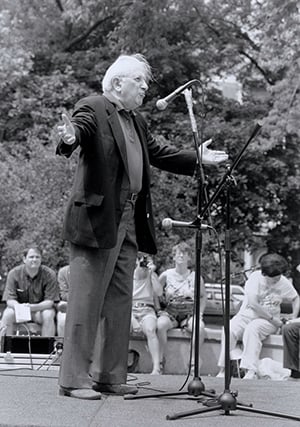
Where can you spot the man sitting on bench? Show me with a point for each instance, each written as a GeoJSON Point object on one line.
{"type": "Point", "coordinates": [30, 292]}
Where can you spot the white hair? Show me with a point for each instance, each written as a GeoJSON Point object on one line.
{"type": "Point", "coordinates": [125, 65]}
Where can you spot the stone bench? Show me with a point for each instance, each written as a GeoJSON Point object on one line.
{"type": "Point", "coordinates": [178, 351]}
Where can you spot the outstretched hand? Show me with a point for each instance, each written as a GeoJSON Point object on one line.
{"type": "Point", "coordinates": [66, 131]}
{"type": "Point", "coordinates": [212, 157]}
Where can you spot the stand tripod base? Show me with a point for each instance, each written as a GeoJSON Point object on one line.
{"type": "Point", "coordinates": [227, 402]}
{"type": "Point", "coordinates": [195, 388]}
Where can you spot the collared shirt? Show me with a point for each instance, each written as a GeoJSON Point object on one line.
{"type": "Point", "coordinates": [133, 145]}
{"type": "Point", "coordinates": [25, 289]}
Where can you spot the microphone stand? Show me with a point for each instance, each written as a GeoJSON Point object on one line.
{"type": "Point", "coordinates": [196, 386]}
{"type": "Point", "coordinates": [227, 401]}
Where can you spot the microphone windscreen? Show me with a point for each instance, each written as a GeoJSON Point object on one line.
{"type": "Point", "coordinates": [161, 104]}
{"type": "Point", "coordinates": [167, 223]}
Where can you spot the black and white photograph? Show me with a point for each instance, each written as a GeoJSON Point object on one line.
{"type": "Point", "coordinates": [149, 213]}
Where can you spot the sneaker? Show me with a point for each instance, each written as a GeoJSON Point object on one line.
{"type": "Point", "coordinates": [250, 375]}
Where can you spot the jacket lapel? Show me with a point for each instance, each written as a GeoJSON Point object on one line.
{"type": "Point", "coordinates": [117, 133]}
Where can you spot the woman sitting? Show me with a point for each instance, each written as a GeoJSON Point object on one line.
{"type": "Point", "coordinates": [178, 288]}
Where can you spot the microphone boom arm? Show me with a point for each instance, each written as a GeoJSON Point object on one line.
{"type": "Point", "coordinates": [162, 104]}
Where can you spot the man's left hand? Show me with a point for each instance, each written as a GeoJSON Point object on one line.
{"type": "Point", "coordinates": [212, 157]}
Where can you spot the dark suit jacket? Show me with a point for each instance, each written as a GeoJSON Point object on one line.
{"type": "Point", "coordinates": [99, 191]}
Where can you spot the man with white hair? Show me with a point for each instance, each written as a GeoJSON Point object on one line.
{"type": "Point", "coordinates": [108, 218]}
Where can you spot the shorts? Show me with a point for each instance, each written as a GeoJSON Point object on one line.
{"type": "Point", "coordinates": [140, 314]}
{"type": "Point", "coordinates": [178, 321]}
{"type": "Point", "coordinates": [173, 320]}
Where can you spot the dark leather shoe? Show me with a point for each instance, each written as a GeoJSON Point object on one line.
{"type": "Point", "coordinates": [116, 389]}
{"type": "Point", "coordinates": [295, 374]}
{"type": "Point", "coordinates": [80, 393]}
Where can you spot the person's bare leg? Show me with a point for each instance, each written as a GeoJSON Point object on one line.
{"type": "Point", "coordinates": [163, 325]}
{"type": "Point", "coordinates": [149, 326]}
{"type": "Point", "coordinates": [48, 324]}
{"type": "Point", "coordinates": [7, 321]}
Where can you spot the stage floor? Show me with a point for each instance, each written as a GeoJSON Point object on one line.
{"type": "Point", "coordinates": [30, 398]}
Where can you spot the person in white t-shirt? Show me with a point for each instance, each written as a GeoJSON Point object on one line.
{"type": "Point", "coordinates": [146, 290]}
{"type": "Point", "coordinates": [259, 315]}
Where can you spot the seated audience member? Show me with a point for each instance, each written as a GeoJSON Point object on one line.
{"type": "Point", "coordinates": [146, 288]}
{"type": "Point", "coordinates": [63, 279]}
{"type": "Point", "coordinates": [291, 346]}
{"type": "Point", "coordinates": [178, 290]}
{"type": "Point", "coordinates": [259, 315]}
{"type": "Point", "coordinates": [30, 287]}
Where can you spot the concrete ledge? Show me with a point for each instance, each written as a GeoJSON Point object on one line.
{"type": "Point", "coordinates": [177, 357]}
{"type": "Point", "coordinates": [178, 351]}
{"type": "Point", "coordinates": [24, 361]}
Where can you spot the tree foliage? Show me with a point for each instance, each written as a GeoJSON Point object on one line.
{"type": "Point", "coordinates": [53, 53]}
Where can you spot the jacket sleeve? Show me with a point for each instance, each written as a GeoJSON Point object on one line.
{"type": "Point", "coordinates": [168, 157]}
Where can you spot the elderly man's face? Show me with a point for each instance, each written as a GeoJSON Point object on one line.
{"type": "Point", "coordinates": [132, 89]}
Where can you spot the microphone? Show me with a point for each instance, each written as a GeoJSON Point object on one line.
{"type": "Point", "coordinates": [169, 223]}
{"type": "Point", "coordinates": [162, 104]}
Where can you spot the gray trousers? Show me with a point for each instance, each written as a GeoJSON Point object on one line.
{"type": "Point", "coordinates": [291, 345]}
{"type": "Point", "coordinates": [99, 310]}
